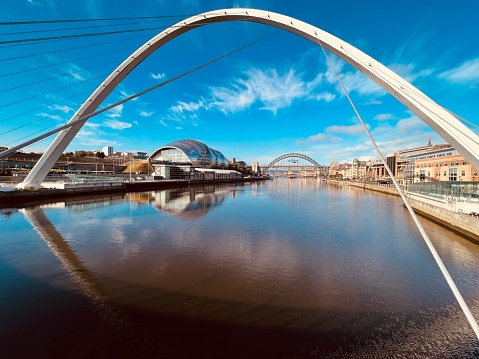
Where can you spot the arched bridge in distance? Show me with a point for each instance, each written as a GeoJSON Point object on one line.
{"type": "Point", "coordinates": [295, 163]}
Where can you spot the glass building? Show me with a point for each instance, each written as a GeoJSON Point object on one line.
{"type": "Point", "coordinates": [188, 153]}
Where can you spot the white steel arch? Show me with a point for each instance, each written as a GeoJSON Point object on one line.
{"type": "Point", "coordinates": [438, 118]}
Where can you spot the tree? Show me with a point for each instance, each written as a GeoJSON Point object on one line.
{"type": "Point", "coordinates": [100, 154]}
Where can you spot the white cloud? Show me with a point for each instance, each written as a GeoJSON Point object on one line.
{"type": "Point", "coordinates": [158, 76]}
{"type": "Point", "coordinates": [466, 73]}
{"type": "Point", "coordinates": [314, 138]}
{"type": "Point", "coordinates": [117, 125]}
{"type": "Point", "coordinates": [352, 80]}
{"type": "Point", "coordinates": [373, 102]}
{"type": "Point", "coordinates": [47, 115]}
{"type": "Point", "coordinates": [186, 107]}
{"type": "Point", "coordinates": [115, 111]}
{"type": "Point", "coordinates": [384, 117]}
{"type": "Point", "coordinates": [163, 123]}
{"type": "Point", "coordinates": [408, 125]}
{"type": "Point", "coordinates": [178, 128]}
{"type": "Point", "coordinates": [407, 71]}
{"type": "Point", "coordinates": [92, 125]}
{"type": "Point", "coordinates": [146, 114]}
{"type": "Point", "coordinates": [62, 108]}
{"type": "Point", "coordinates": [271, 89]}
{"type": "Point", "coordinates": [346, 130]}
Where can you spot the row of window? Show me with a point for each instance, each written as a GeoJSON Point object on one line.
{"type": "Point", "coordinates": [452, 174]}
{"type": "Point", "coordinates": [439, 164]}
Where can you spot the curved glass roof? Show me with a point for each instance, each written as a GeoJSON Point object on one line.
{"type": "Point", "coordinates": [189, 151]}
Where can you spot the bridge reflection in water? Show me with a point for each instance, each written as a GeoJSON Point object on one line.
{"type": "Point", "coordinates": [257, 271]}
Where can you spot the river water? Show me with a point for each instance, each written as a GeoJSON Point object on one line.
{"type": "Point", "coordinates": [290, 268]}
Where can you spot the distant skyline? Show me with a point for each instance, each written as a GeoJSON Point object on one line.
{"type": "Point", "coordinates": [275, 97]}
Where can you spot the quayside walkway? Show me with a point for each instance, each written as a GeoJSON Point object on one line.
{"type": "Point", "coordinates": [441, 207]}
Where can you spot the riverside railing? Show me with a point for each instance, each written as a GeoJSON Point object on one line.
{"type": "Point", "coordinates": [451, 190]}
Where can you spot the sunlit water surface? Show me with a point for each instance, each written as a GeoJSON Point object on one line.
{"type": "Point", "coordinates": [289, 268]}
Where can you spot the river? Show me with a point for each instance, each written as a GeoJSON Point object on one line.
{"type": "Point", "coordinates": [289, 268]}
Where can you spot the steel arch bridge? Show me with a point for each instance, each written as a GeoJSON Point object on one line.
{"type": "Point", "coordinates": [294, 161]}
{"type": "Point", "coordinates": [438, 118]}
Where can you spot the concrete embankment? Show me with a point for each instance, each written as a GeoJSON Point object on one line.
{"type": "Point", "coordinates": [20, 198]}
{"type": "Point", "coordinates": [443, 212]}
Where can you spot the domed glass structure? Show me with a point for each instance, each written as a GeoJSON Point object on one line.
{"type": "Point", "coordinates": [189, 152]}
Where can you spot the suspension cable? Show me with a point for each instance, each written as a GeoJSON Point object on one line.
{"type": "Point", "coordinates": [433, 251]}
{"type": "Point", "coordinates": [76, 28]}
{"type": "Point", "coordinates": [65, 62]}
{"type": "Point", "coordinates": [88, 20]}
{"type": "Point", "coordinates": [72, 48]}
{"type": "Point", "coordinates": [138, 94]}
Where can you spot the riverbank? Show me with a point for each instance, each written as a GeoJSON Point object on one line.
{"type": "Point", "coordinates": [446, 214]}
{"type": "Point", "coordinates": [26, 197]}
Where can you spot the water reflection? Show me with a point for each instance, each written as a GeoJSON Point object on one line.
{"type": "Point", "coordinates": [190, 203]}
{"type": "Point", "coordinates": [312, 270]}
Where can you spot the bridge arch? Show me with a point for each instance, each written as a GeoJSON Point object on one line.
{"type": "Point", "coordinates": [291, 156]}
{"type": "Point", "coordinates": [438, 118]}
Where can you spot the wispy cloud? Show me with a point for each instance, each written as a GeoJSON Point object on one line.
{"type": "Point", "coordinates": [347, 130]}
{"type": "Point", "coordinates": [269, 88]}
{"type": "Point", "coordinates": [146, 114]}
{"type": "Point", "coordinates": [116, 125]}
{"type": "Point", "coordinates": [158, 76]}
{"type": "Point", "coordinates": [353, 80]}
{"type": "Point", "coordinates": [466, 73]}
{"type": "Point", "coordinates": [314, 138]}
{"type": "Point", "coordinates": [47, 115]}
{"type": "Point", "coordinates": [68, 72]}
{"type": "Point", "coordinates": [408, 72]}
{"type": "Point", "coordinates": [408, 125]}
{"type": "Point", "coordinates": [183, 107]}
{"type": "Point", "coordinates": [384, 117]}
{"type": "Point", "coordinates": [62, 108]}
{"type": "Point", "coordinates": [42, 3]}
{"type": "Point", "coordinates": [115, 112]}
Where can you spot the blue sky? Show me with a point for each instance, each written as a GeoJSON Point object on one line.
{"type": "Point", "coordinates": [275, 97]}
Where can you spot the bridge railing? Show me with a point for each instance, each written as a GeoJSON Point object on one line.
{"type": "Point", "coordinates": [451, 190]}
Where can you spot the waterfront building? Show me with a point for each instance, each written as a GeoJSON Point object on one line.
{"type": "Point", "coordinates": [190, 159]}
{"type": "Point", "coordinates": [356, 170]}
{"type": "Point", "coordinates": [443, 164]}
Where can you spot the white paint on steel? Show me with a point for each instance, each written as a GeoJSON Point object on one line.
{"type": "Point", "coordinates": [438, 118]}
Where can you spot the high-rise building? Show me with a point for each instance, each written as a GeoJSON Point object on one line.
{"type": "Point", "coordinates": [107, 150]}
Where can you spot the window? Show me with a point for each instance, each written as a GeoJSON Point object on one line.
{"type": "Point", "coordinates": [422, 176]}
{"type": "Point", "coordinates": [452, 174]}
{"type": "Point", "coordinates": [474, 173]}
{"type": "Point", "coordinates": [445, 173]}
{"type": "Point", "coordinates": [437, 164]}
{"type": "Point", "coordinates": [464, 162]}
{"type": "Point", "coordinates": [463, 173]}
